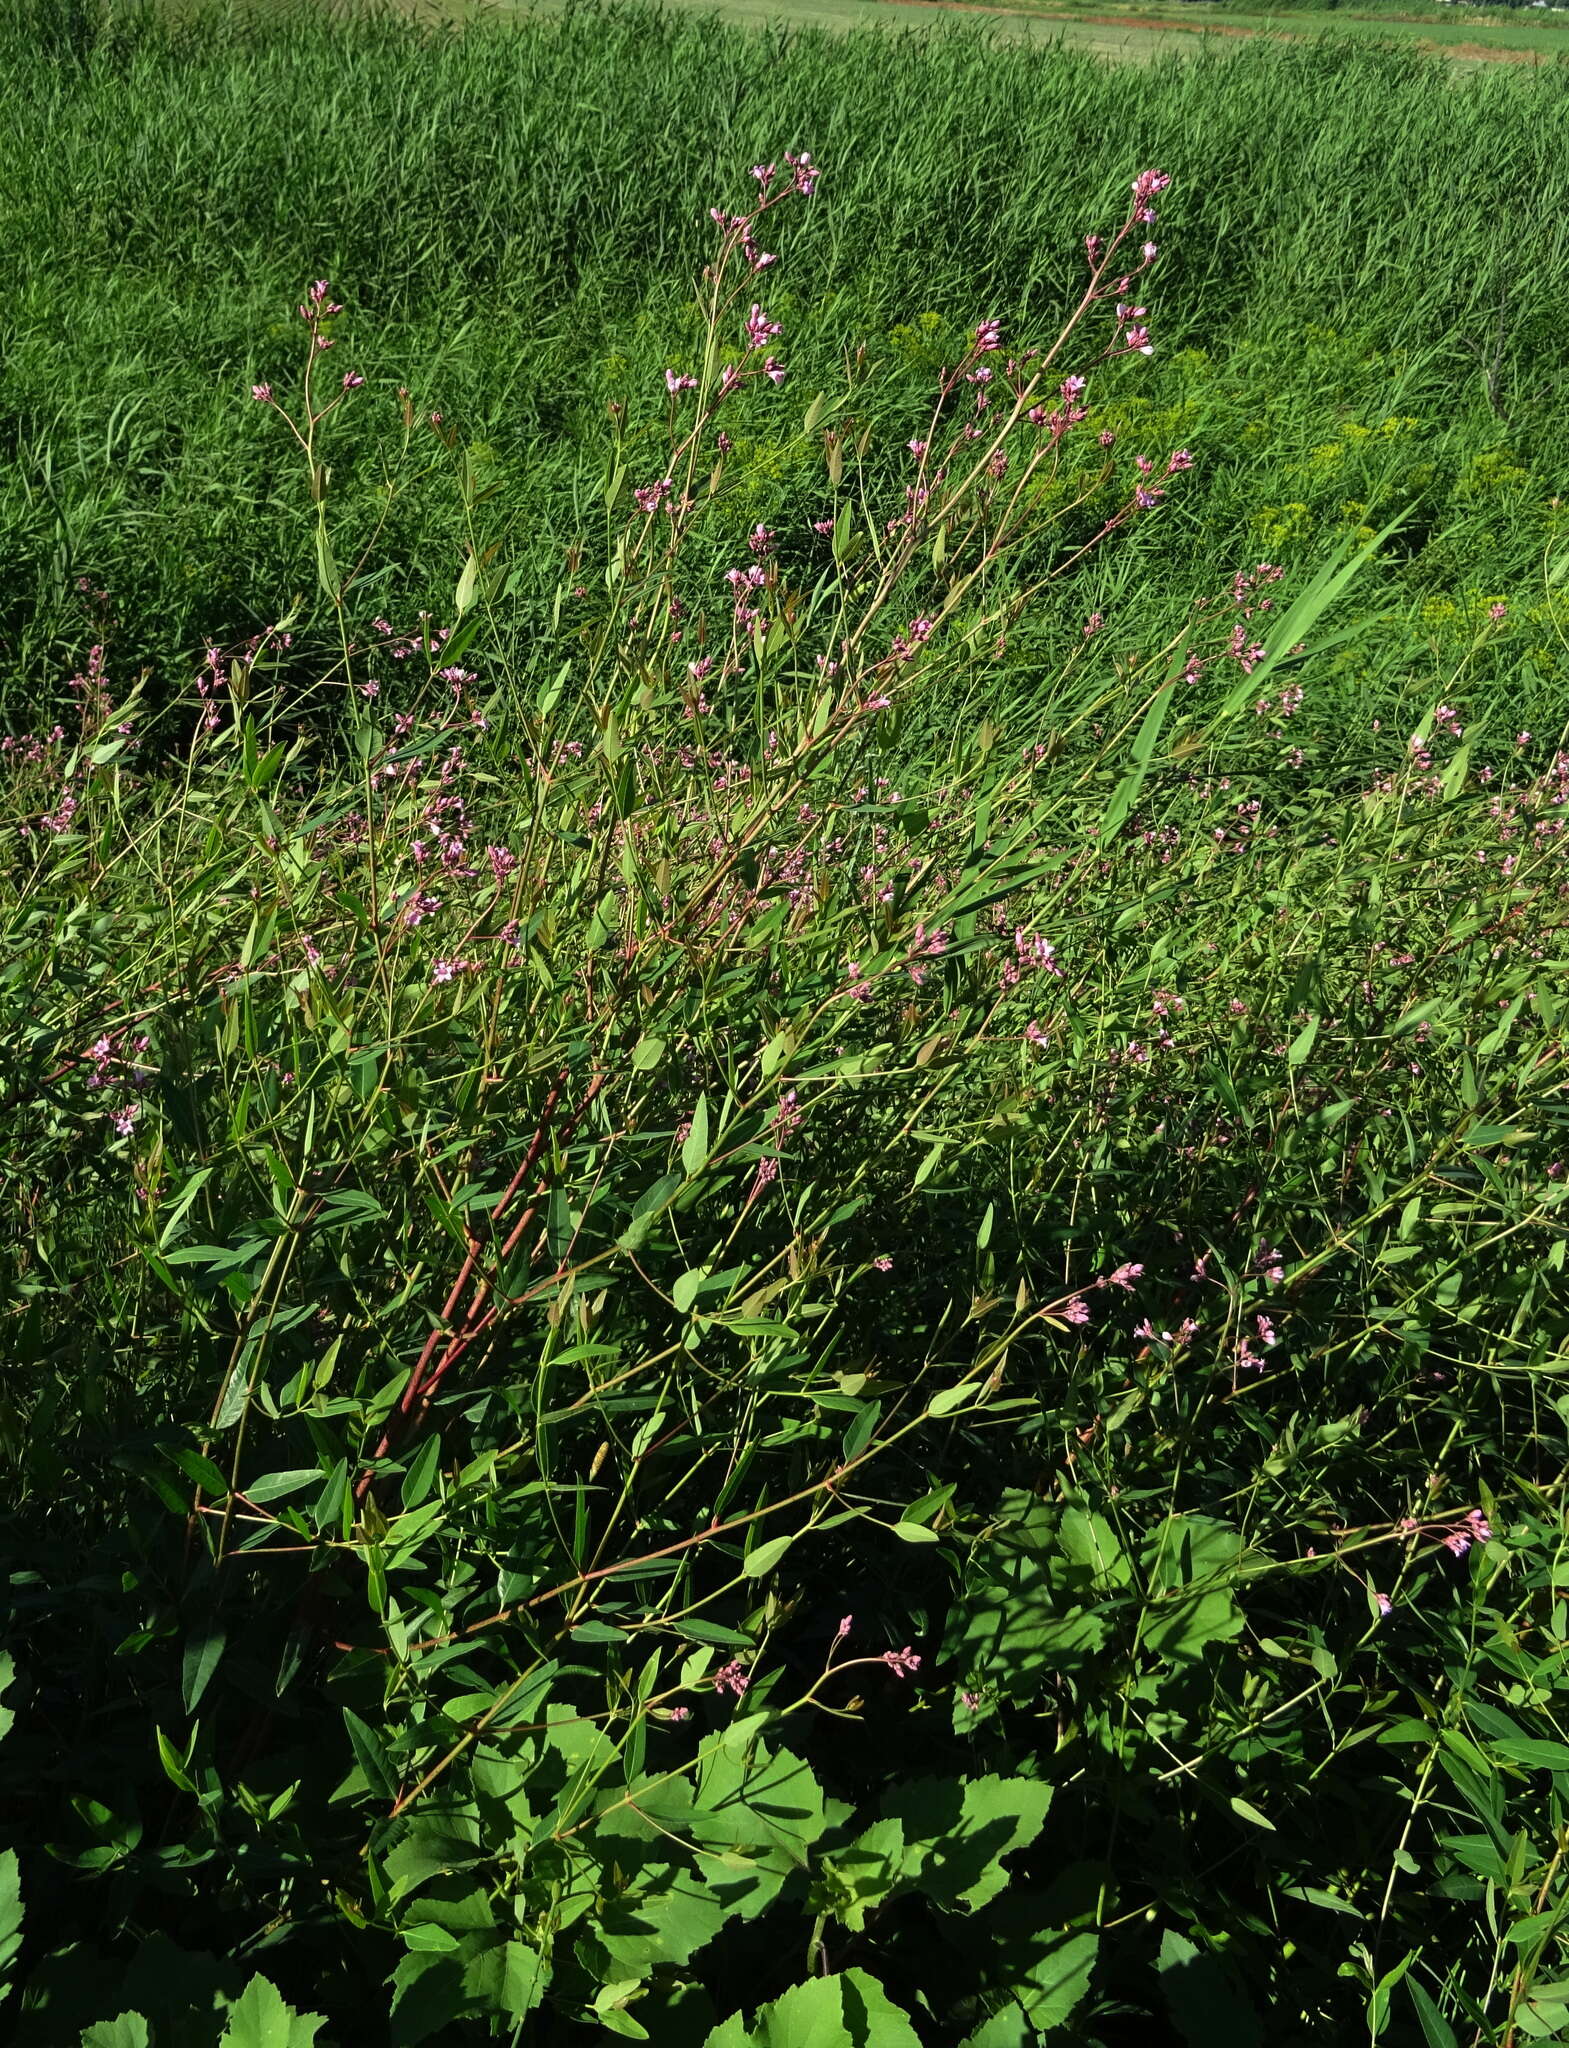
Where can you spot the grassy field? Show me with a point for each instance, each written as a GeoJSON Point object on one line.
{"type": "Point", "coordinates": [1123, 30]}
{"type": "Point", "coordinates": [782, 1042]}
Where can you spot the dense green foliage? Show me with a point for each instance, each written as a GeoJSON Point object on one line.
{"type": "Point", "coordinates": [1358, 240]}
{"type": "Point", "coordinates": [761, 1292]}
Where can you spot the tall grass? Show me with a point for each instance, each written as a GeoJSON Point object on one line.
{"type": "Point", "coordinates": [1360, 239]}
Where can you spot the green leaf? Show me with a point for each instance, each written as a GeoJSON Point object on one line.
{"type": "Point", "coordinates": [647, 1208]}
{"type": "Point", "coordinates": [175, 1213]}
{"type": "Point", "coordinates": [859, 1434]}
{"type": "Point", "coordinates": [326, 565]}
{"type": "Point", "coordinates": [276, 1484]}
{"type": "Point", "coordinates": [694, 1146]}
{"type": "Point", "coordinates": [429, 1936]}
{"type": "Point", "coordinates": [1302, 1044]}
{"type": "Point", "coordinates": [776, 1052]}
{"type": "Point", "coordinates": [1244, 1811]}
{"type": "Point", "coordinates": [259, 2018]}
{"type": "Point", "coordinates": [849, 2011]}
{"type": "Point", "coordinates": [129, 2030]}
{"type": "Point", "coordinates": [203, 1649]}
{"type": "Point", "coordinates": [688, 1286]}
{"type": "Point", "coordinates": [1524, 1749]}
{"type": "Point", "coordinates": [420, 1478]}
{"type": "Point", "coordinates": [766, 1556]}
{"type": "Point", "coordinates": [369, 1754]}
{"type": "Point", "coordinates": [1057, 1978]}
{"type": "Point", "coordinates": [1436, 2030]}
{"type": "Point", "coordinates": [607, 916]}
{"type": "Point", "coordinates": [957, 1832]}
{"type": "Point", "coordinates": [1126, 793]}
{"type": "Point", "coordinates": [10, 1915]}
{"type": "Point", "coordinates": [175, 1766]}
{"type": "Point", "coordinates": [947, 1399]}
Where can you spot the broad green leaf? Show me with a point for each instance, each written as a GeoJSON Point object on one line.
{"type": "Point", "coordinates": [129, 2030]}
{"type": "Point", "coordinates": [848, 2011]}
{"type": "Point", "coordinates": [957, 1831]}
{"type": "Point", "coordinates": [259, 2018]}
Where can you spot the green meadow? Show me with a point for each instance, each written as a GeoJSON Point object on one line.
{"type": "Point", "coordinates": [781, 1032]}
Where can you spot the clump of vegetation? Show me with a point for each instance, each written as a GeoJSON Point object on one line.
{"type": "Point", "coordinates": [721, 1331]}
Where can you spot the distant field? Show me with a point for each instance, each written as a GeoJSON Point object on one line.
{"type": "Point", "coordinates": [1134, 33]}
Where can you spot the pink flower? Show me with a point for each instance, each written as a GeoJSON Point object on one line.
{"type": "Point", "coordinates": [1093, 624]}
{"type": "Point", "coordinates": [653, 496]}
{"type": "Point", "coordinates": [352, 380]}
{"type": "Point", "coordinates": [806, 172]}
{"type": "Point", "coordinates": [262, 393]}
{"type": "Point", "coordinates": [988, 336]}
{"type": "Point", "coordinates": [904, 1662]}
{"type": "Point", "coordinates": [1077, 1311]}
{"type": "Point", "coordinates": [1138, 338]}
{"type": "Point", "coordinates": [883, 1263]}
{"type": "Point", "coordinates": [125, 1118]}
{"type": "Point", "coordinates": [760, 330]}
{"type": "Point", "coordinates": [676, 381]}
{"type": "Point", "coordinates": [1385, 1604]}
{"type": "Point", "coordinates": [917, 447]}
{"type": "Point", "coordinates": [845, 1627]}
{"type": "Point", "coordinates": [1178, 459]}
{"type": "Point", "coordinates": [1124, 1278]}
{"type": "Point", "coordinates": [680, 1714]}
{"type": "Point", "coordinates": [774, 370]}
{"type": "Point", "coordinates": [732, 1678]}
